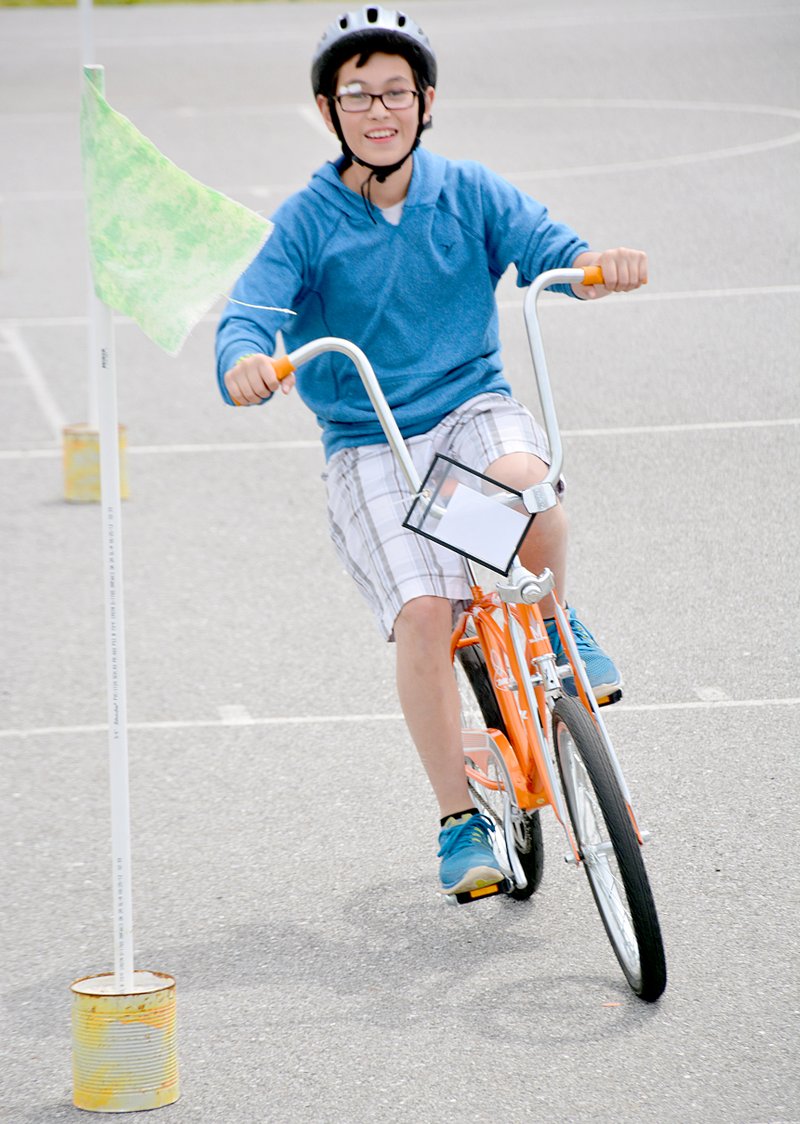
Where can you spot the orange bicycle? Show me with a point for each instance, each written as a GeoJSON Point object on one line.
{"type": "Point", "coordinates": [529, 743]}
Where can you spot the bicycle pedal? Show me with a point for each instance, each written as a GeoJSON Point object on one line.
{"type": "Point", "coordinates": [494, 890]}
{"type": "Point", "coordinates": [609, 700]}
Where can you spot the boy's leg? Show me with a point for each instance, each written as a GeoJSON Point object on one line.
{"type": "Point", "coordinates": [429, 697]}
{"type": "Point", "coordinates": [546, 545]}
{"type": "Point", "coordinates": [546, 541]}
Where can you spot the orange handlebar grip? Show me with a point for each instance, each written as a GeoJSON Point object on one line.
{"type": "Point", "coordinates": [283, 367]}
{"type": "Point", "coordinates": [592, 275]}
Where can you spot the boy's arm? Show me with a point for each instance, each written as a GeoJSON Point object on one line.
{"type": "Point", "coordinates": [520, 230]}
{"type": "Point", "coordinates": [623, 270]}
{"type": "Point", "coordinates": [247, 331]}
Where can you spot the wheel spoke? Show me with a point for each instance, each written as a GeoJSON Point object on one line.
{"type": "Point", "coordinates": [598, 854]}
{"type": "Point", "coordinates": [609, 887]}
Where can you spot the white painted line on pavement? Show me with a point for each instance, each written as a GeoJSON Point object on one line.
{"type": "Point", "coordinates": [273, 446]}
{"type": "Point", "coordinates": [642, 297]}
{"type": "Point", "coordinates": [270, 35]}
{"type": "Point", "coordinates": [312, 117]}
{"type": "Point", "coordinates": [656, 162]}
{"type": "Point", "coordinates": [680, 427]}
{"type": "Point", "coordinates": [280, 109]}
{"type": "Point", "coordinates": [761, 109]}
{"type": "Point", "coordinates": [43, 195]}
{"type": "Point", "coordinates": [235, 715]}
{"type": "Point", "coordinates": [29, 454]}
{"type": "Point", "coordinates": [52, 321]}
{"type": "Point", "coordinates": [339, 719]}
{"type": "Point", "coordinates": [35, 380]}
{"type": "Point", "coordinates": [715, 704]}
{"type": "Point", "coordinates": [222, 447]}
{"type": "Point", "coordinates": [133, 450]}
{"type": "Point", "coordinates": [626, 300]}
{"type": "Point", "coordinates": [211, 723]}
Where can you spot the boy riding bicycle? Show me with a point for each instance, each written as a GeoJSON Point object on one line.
{"type": "Point", "coordinates": [400, 251]}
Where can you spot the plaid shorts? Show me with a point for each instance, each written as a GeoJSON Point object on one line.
{"type": "Point", "coordinates": [368, 498]}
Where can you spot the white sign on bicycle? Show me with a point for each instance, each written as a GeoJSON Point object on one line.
{"type": "Point", "coordinates": [470, 513]}
{"type": "Point", "coordinates": [480, 527]}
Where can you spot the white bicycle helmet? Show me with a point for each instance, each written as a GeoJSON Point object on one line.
{"type": "Point", "coordinates": [372, 28]}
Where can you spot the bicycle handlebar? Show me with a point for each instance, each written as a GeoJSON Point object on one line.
{"type": "Point", "coordinates": [288, 363]}
{"type": "Point", "coordinates": [590, 275]}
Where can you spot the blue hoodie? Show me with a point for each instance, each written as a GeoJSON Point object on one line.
{"type": "Point", "coordinates": [418, 298]}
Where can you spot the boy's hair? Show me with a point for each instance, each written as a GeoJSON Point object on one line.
{"type": "Point", "coordinates": [363, 59]}
{"type": "Point", "coordinates": [364, 33]}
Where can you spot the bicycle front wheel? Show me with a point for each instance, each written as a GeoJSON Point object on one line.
{"type": "Point", "coordinates": [609, 849]}
{"type": "Point", "coordinates": [479, 708]}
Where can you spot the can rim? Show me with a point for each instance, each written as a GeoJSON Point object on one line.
{"type": "Point", "coordinates": [169, 981]}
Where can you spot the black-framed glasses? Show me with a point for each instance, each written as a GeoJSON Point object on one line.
{"type": "Point", "coordinates": [360, 102]}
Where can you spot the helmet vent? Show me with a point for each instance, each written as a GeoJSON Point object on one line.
{"type": "Point", "coordinates": [372, 15]}
{"type": "Point", "coordinates": [401, 20]}
{"type": "Point", "coordinates": [343, 23]}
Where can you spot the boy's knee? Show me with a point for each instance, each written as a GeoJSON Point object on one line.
{"type": "Point", "coordinates": [518, 470]}
{"type": "Point", "coordinates": [424, 618]}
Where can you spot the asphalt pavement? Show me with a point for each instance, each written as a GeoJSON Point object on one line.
{"type": "Point", "coordinates": [284, 857]}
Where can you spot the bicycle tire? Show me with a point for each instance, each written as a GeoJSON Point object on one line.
{"type": "Point", "coordinates": [623, 897]}
{"type": "Point", "coordinates": [529, 843]}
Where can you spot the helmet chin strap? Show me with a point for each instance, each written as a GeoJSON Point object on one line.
{"type": "Point", "coordinates": [379, 172]}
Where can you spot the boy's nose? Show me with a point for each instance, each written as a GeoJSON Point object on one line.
{"type": "Point", "coordinates": [378, 109]}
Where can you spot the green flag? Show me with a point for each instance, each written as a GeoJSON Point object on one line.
{"type": "Point", "coordinates": [163, 247]}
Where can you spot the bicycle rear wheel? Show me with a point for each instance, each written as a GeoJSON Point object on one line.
{"type": "Point", "coordinates": [479, 708]}
{"type": "Point", "coordinates": [609, 849]}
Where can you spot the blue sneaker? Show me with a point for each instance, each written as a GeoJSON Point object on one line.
{"type": "Point", "coordinates": [468, 861]}
{"type": "Point", "coordinates": [603, 675]}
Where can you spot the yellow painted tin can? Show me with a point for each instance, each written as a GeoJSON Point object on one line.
{"type": "Point", "coordinates": [124, 1048]}
{"type": "Point", "coordinates": [81, 449]}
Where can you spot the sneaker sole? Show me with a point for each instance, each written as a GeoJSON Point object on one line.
{"type": "Point", "coordinates": [602, 692]}
{"type": "Point", "coordinates": [475, 879]}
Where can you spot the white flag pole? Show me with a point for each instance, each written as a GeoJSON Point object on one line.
{"type": "Point", "coordinates": [87, 59]}
{"type": "Point", "coordinates": [111, 504]}
{"type": "Point", "coordinates": [87, 38]}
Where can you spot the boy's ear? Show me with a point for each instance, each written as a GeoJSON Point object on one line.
{"type": "Point", "coordinates": [430, 94]}
{"type": "Point", "coordinates": [325, 110]}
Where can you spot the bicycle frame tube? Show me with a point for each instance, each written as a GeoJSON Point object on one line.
{"type": "Point", "coordinates": [541, 760]}
{"type": "Point", "coordinates": [520, 717]}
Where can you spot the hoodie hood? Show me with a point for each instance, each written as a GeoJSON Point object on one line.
{"type": "Point", "coordinates": [427, 180]}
